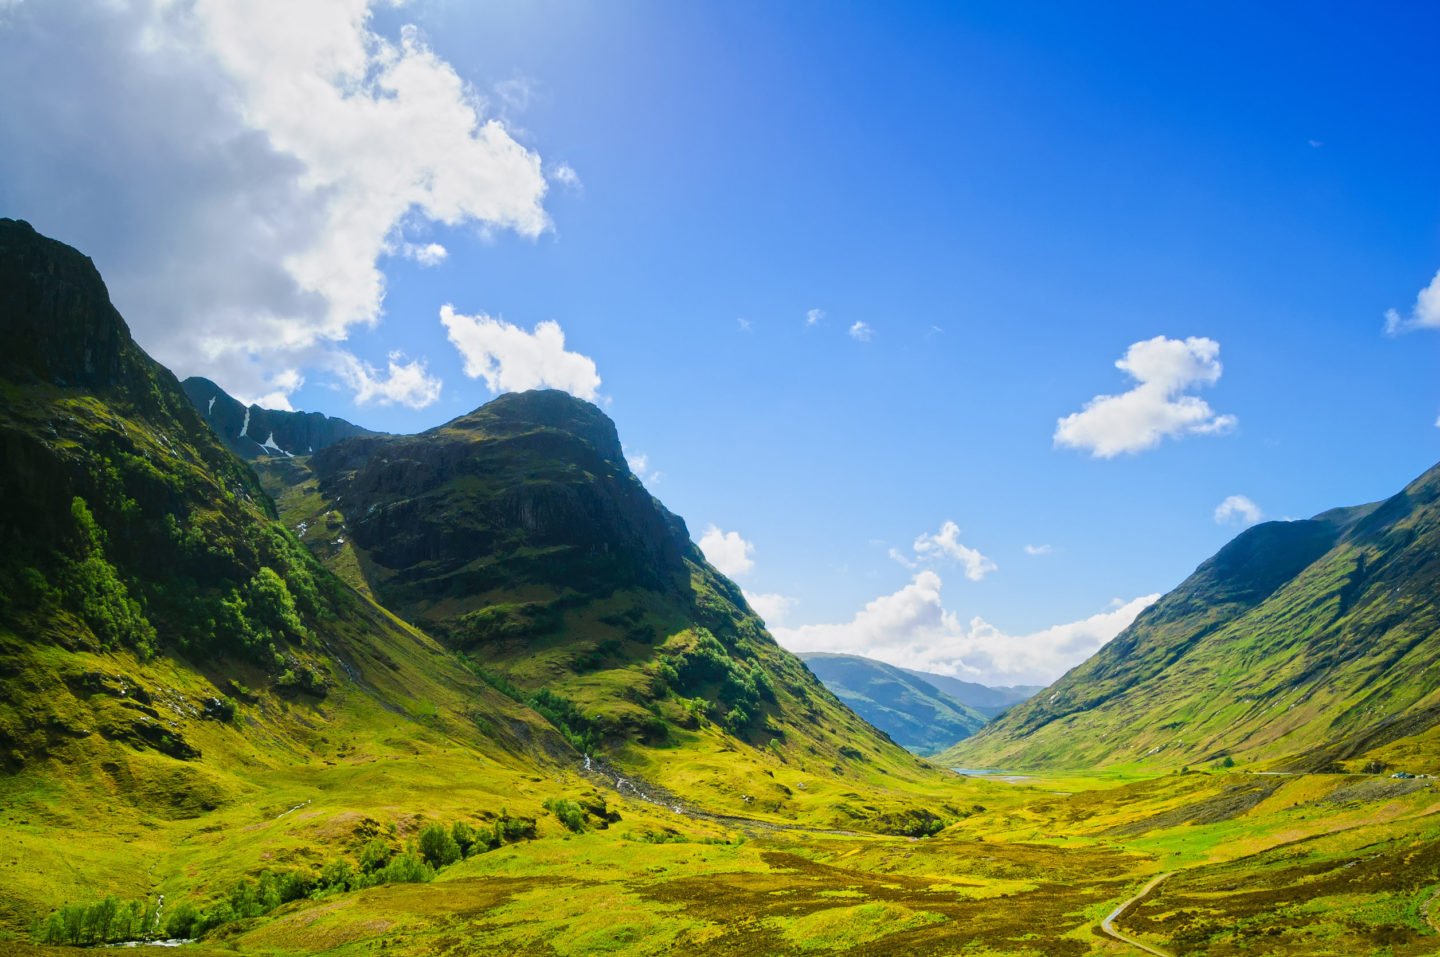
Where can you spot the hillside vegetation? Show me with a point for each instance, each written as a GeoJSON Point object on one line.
{"type": "Point", "coordinates": [1305, 645]}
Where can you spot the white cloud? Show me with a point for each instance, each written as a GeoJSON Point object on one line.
{"type": "Point", "coordinates": [639, 463]}
{"type": "Point", "coordinates": [813, 317]}
{"type": "Point", "coordinates": [861, 332]}
{"type": "Point", "coordinates": [565, 175]}
{"type": "Point", "coordinates": [1315, 144]}
{"type": "Point", "coordinates": [911, 628]}
{"type": "Point", "coordinates": [404, 383]}
{"type": "Point", "coordinates": [237, 170]}
{"type": "Point", "coordinates": [1154, 409]}
{"type": "Point", "coordinates": [771, 608]}
{"type": "Point", "coordinates": [1424, 315]}
{"type": "Point", "coordinates": [744, 324]}
{"type": "Point", "coordinates": [1237, 510]}
{"type": "Point", "coordinates": [513, 360]}
{"type": "Point", "coordinates": [946, 544]}
{"type": "Point", "coordinates": [1037, 549]}
{"type": "Point", "coordinates": [727, 551]}
{"type": "Point", "coordinates": [430, 254]}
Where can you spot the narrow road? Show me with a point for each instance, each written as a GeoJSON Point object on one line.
{"type": "Point", "coordinates": [1107, 925]}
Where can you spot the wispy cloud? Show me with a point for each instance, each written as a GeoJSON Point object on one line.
{"type": "Point", "coordinates": [861, 332]}
{"type": "Point", "coordinates": [1038, 549]}
{"type": "Point", "coordinates": [945, 545]}
{"type": "Point", "coordinates": [813, 317]}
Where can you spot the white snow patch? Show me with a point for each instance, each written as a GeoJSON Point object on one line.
{"type": "Point", "coordinates": [245, 426]}
{"type": "Point", "coordinates": [270, 444]}
{"type": "Point", "coordinates": [211, 407]}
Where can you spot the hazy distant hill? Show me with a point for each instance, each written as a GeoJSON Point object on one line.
{"type": "Point", "coordinates": [1315, 641]}
{"type": "Point", "coordinates": [983, 698]}
{"type": "Point", "coordinates": [899, 702]}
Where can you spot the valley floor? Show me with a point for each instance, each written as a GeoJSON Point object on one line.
{"type": "Point", "coordinates": [1197, 863]}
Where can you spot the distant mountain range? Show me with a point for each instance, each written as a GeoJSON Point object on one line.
{"type": "Point", "coordinates": [1311, 644]}
{"type": "Point", "coordinates": [923, 712]}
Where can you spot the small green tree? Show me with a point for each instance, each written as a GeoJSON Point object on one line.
{"type": "Point", "coordinates": [374, 855]}
{"type": "Point", "coordinates": [464, 836]}
{"type": "Point", "coordinates": [437, 845]}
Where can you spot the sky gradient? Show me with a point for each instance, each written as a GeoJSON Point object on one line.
{"type": "Point", "coordinates": [841, 273]}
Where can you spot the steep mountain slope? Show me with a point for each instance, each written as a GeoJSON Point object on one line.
{"type": "Point", "coordinates": [252, 432]}
{"type": "Point", "coordinates": [1313, 641]}
{"type": "Point", "coordinates": [172, 660]}
{"type": "Point", "coordinates": [989, 701]}
{"type": "Point", "coordinates": [518, 535]}
{"type": "Point", "coordinates": [912, 711]}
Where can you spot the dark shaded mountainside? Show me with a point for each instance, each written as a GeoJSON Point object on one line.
{"type": "Point", "coordinates": [1314, 644]}
{"type": "Point", "coordinates": [252, 432]}
{"type": "Point", "coordinates": [902, 703]}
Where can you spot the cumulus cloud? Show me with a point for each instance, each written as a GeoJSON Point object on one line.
{"type": "Point", "coordinates": [813, 317]}
{"type": "Point", "coordinates": [1038, 549]}
{"type": "Point", "coordinates": [238, 171]}
{"type": "Point", "coordinates": [510, 359]}
{"type": "Point", "coordinates": [912, 629]}
{"type": "Point", "coordinates": [1158, 407]}
{"type": "Point", "coordinates": [1425, 314]}
{"type": "Point", "coordinates": [1237, 510]}
{"type": "Point", "coordinates": [404, 383]}
{"type": "Point", "coordinates": [945, 545]}
{"type": "Point", "coordinates": [861, 332]}
{"type": "Point", "coordinates": [727, 551]}
{"type": "Point", "coordinates": [771, 608]}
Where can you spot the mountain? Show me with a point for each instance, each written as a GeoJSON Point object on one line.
{"type": "Point", "coordinates": [518, 536]}
{"type": "Point", "coordinates": [252, 432]}
{"type": "Point", "coordinates": [1312, 644]}
{"type": "Point", "coordinates": [914, 712]}
{"type": "Point", "coordinates": [989, 701]}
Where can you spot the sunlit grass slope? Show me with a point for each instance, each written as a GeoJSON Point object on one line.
{"type": "Point", "coordinates": [1315, 642]}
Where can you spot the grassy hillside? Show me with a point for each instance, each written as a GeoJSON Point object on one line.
{"type": "Point", "coordinates": [912, 711]}
{"type": "Point", "coordinates": [519, 537]}
{"type": "Point", "coordinates": [1314, 642]}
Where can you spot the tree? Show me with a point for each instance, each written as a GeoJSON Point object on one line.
{"type": "Point", "coordinates": [437, 846]}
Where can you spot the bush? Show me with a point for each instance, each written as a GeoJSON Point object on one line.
{"type": "Point", "coordinates": [437, 846]}
{"type": "Point", "coordinates": [374, 855]}
{"type": "Point", "coordinates": [407, 869]}
{"type": "Point", "coordinates": [464, 836]}
{"type": "Point", "coordinates": [568, 812]}
{"type": "Point", "coordinates": [181, 922]}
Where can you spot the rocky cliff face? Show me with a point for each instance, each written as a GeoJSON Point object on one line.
{"type": "Point", "coordinates": [531, 490]}
{"type": "Point", "coordinates": [252, 432]}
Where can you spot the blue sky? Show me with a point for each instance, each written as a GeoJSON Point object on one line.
{"type": "Point", "coordinates": [1007, 197]}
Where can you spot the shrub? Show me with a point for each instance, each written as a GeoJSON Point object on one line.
{"type": "Point", "coordinates": [181, 922]}
{"type": "Point", "coordinates": [568, 812]}
{"type": "Point", "coordinates": [407, 868]}
{"type": "Point", "coordinates": [374, 855]}
{"type": "Point", "coordinates": [437, 846]}
{"type": "Point", "coordinates": [464, 836]}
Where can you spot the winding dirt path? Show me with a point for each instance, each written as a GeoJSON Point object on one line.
{"type": "Point", "coordinates": [1107, 925]}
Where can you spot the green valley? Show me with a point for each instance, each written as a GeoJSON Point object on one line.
{"type": "Point", "coordinates": [476, 691]}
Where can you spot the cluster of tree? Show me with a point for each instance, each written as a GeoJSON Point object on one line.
{"type": "Point", "coordinates": [738, 691]}
{"type": "Point", "coordinates": [378, 862]}
{"type": "Point", "coordinates": [103, 922]}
